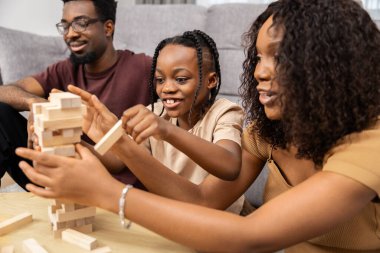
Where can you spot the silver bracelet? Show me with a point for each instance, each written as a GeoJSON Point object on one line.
{"type": "Point", "coordinates": [124, 192]}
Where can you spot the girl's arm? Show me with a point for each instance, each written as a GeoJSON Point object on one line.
{"type": "Point", "coordinates": [311, 208]}
{"type": "Point", "coordinates": [221, 159]}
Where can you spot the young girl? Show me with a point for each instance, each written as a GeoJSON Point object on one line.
{"type": "Point", "coordinates": [311, 89]}
{"type": "Point", "coordinates": [190, 133]}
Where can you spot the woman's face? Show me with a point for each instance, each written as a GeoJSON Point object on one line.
{"type": "Point", "coordinates": [267, 44]}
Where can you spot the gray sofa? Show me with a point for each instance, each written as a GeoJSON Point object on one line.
{"type": "Point", "coordinates": [140, 28]}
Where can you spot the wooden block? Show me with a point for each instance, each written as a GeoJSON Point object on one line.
{"type": "Point", "coordinates": [77, 214]}
{"type": "Point", "coordinates": [83, 229]}
{"type": "Point", "coordinates": [15, 222]}
{"type": "Point", "coordinates": [56, 113]}
{"type": "Point", "coordinates": [7, 249]}
{"type": "Point", "coordinates": [104, 249]}
{"type": "Point", "coordinates": [79, 239]}
{"type": "Point", "coordinates": [109, 138]}
{"type": "Point", "coordinates": [63, 150]}
{"type": "Point", "coordinates": [68, 207]}
{"type": "Point", "coordinates": [80, 222]}
{"type": "Point", "coordinates": [32, 246]}
{"type": "Point", "coordinates": [37, 107]}
{"type": "Point", "coordinates": [65, 100]}
{"type": "Point", "coordinates": [57, 140]}
{"type": "Point", "coordinates": [57, 124]}
{"type": "Point", "coordinates": [68, 132]}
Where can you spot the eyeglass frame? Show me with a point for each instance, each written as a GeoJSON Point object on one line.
{"type": "Point", "coordinates": [65, 30]}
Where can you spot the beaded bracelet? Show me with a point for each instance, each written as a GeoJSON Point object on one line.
{"type": "Point", "coordinates": [124, 192]}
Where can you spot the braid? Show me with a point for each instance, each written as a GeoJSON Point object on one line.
{"type": "Point", "coordinates": [153, 93]}
{"type": "Point", "coordinates": [215, 54]}
{"type": "Point", "coordinates": [193, 36]}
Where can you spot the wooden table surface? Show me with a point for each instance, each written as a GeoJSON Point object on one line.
{"type": "Point", "coordinates": [107, 229]}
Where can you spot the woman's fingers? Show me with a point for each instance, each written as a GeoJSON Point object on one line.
{"type": "Point", "coordinates": [40, 191]}
{"type": "Point", "coordinates": [39, 157]}
{"type": "Point", "coordinates": [35, 176]}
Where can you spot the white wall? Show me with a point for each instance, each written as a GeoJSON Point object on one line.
{"type": "Point", "coordinates": [36, 16]}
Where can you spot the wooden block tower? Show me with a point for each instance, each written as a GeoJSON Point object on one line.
{"type": "Point", "coordinates": [58, 126]}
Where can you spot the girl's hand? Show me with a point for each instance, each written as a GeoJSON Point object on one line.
{"type": "Point", "coordinates": [62, 177]}
{"type": "Point", "coordinates": [97, 119]}
{"type": "Point", "coordinates": [141, 123]}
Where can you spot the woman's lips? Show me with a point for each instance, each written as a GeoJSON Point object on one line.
{"type": "Point", "coordinates": [267, 98]}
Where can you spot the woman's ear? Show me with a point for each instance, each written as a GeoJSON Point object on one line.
{"type": "Point", "coordinates": [212, 80]}
{"type": "Point", "coordinates": [109, 28]}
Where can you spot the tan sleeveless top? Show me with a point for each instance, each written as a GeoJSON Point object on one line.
{"type": "Point", "coordinates": [362, 232]}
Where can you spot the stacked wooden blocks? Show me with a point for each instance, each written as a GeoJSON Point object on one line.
{"type": "Point", "coordinates": [58, 126]}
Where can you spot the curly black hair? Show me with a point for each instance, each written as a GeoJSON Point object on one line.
{"type": "Point", "coordinates": [328, 70]}
{"type": "Point", "coordinates": [106, 9]}
{"type": "Point", "coordinates": [208, 58]}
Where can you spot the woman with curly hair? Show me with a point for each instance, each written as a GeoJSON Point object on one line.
{"type": "Point", "coordinates": [311, 87]}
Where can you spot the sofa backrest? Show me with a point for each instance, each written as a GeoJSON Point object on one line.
{"type": "Point", "coordinates": [141, 27]}
{"type": "Point", "coordinates": [23, 53]}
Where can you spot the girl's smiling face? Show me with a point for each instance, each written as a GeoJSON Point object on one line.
{"type": "Point", "coordinates": [177, 80]}
{"type": "Point", "coordinates": [267, 44]}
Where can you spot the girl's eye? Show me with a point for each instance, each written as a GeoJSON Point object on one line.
{"type": "Point", "coordinates": [159, 80]}
{"type": "Point", "coordinates": [181, 80]}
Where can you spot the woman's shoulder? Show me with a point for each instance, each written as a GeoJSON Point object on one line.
{"type": "Point", "coordinates": [254, 144]}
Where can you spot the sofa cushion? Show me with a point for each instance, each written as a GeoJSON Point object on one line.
{"type": "Point", "coordinates": [226, 28]}
{"type": "Point", "coordinates": [226, 23]}
{"type": "Point", "coordinates": [23, 53]}
{"type": "Point", "coordinates": [141, 27]}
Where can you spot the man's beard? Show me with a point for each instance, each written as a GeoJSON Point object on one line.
{"type": "Point", "coordinates": [85, 59]}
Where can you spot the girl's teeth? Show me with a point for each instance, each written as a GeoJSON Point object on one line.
{"type": "Point", "coordinates": [170, 101]}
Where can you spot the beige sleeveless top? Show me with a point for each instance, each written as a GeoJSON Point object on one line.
{"type": "Point", "coordinates": [362, 232]}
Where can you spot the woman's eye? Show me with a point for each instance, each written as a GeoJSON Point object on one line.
{"type": "Point", "coordinates": [258, 58]}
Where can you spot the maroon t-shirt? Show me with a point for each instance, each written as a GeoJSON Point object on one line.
{"type": "Point", "coordinates": [123, 85]}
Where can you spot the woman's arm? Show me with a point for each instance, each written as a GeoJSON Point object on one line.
{"type": "Point", "coordinates": [212, 192]}
{"type": "Point", "coordinates": [311, 208]}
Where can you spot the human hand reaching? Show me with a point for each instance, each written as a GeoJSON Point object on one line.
{"type": "Point", "coordinates": [98, 119]}
{"type": "Point", "coordinates": [65, 178]}
{"type": "Point", "coordinates": [140, 123]}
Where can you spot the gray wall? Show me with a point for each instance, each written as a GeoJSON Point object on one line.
{"type": "Point", "coordinates": [37, 16]}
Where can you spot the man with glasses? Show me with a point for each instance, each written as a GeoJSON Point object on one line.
{"type": "Point", "coordinates": [119, 78]}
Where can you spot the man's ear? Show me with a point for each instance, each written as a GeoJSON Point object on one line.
{"type": "Point", "coordinates": [109, 28]}
{"type": "Point", "coordinates": [212, 80]}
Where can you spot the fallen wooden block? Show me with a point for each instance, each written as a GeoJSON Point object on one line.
{"type": "Point", "coordinates": [79, 239]}
{"type": "Point", "coordinates": [109, 138]}
{"type": "Point", "coordinates": [32, 246]}
{"type": "Point", "coordinates": [7, 249]}
{"type": "Point", "coordinates": [15, 222]}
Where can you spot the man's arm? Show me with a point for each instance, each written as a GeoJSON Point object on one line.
{"type": "Point", "coordinates": [21, 94]}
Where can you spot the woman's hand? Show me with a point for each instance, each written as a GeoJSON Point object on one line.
{"type": "Point", "coordinates": [62, 177]}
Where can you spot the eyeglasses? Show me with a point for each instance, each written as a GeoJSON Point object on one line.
{"type": "Point", "coordinates": [78, 25]}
